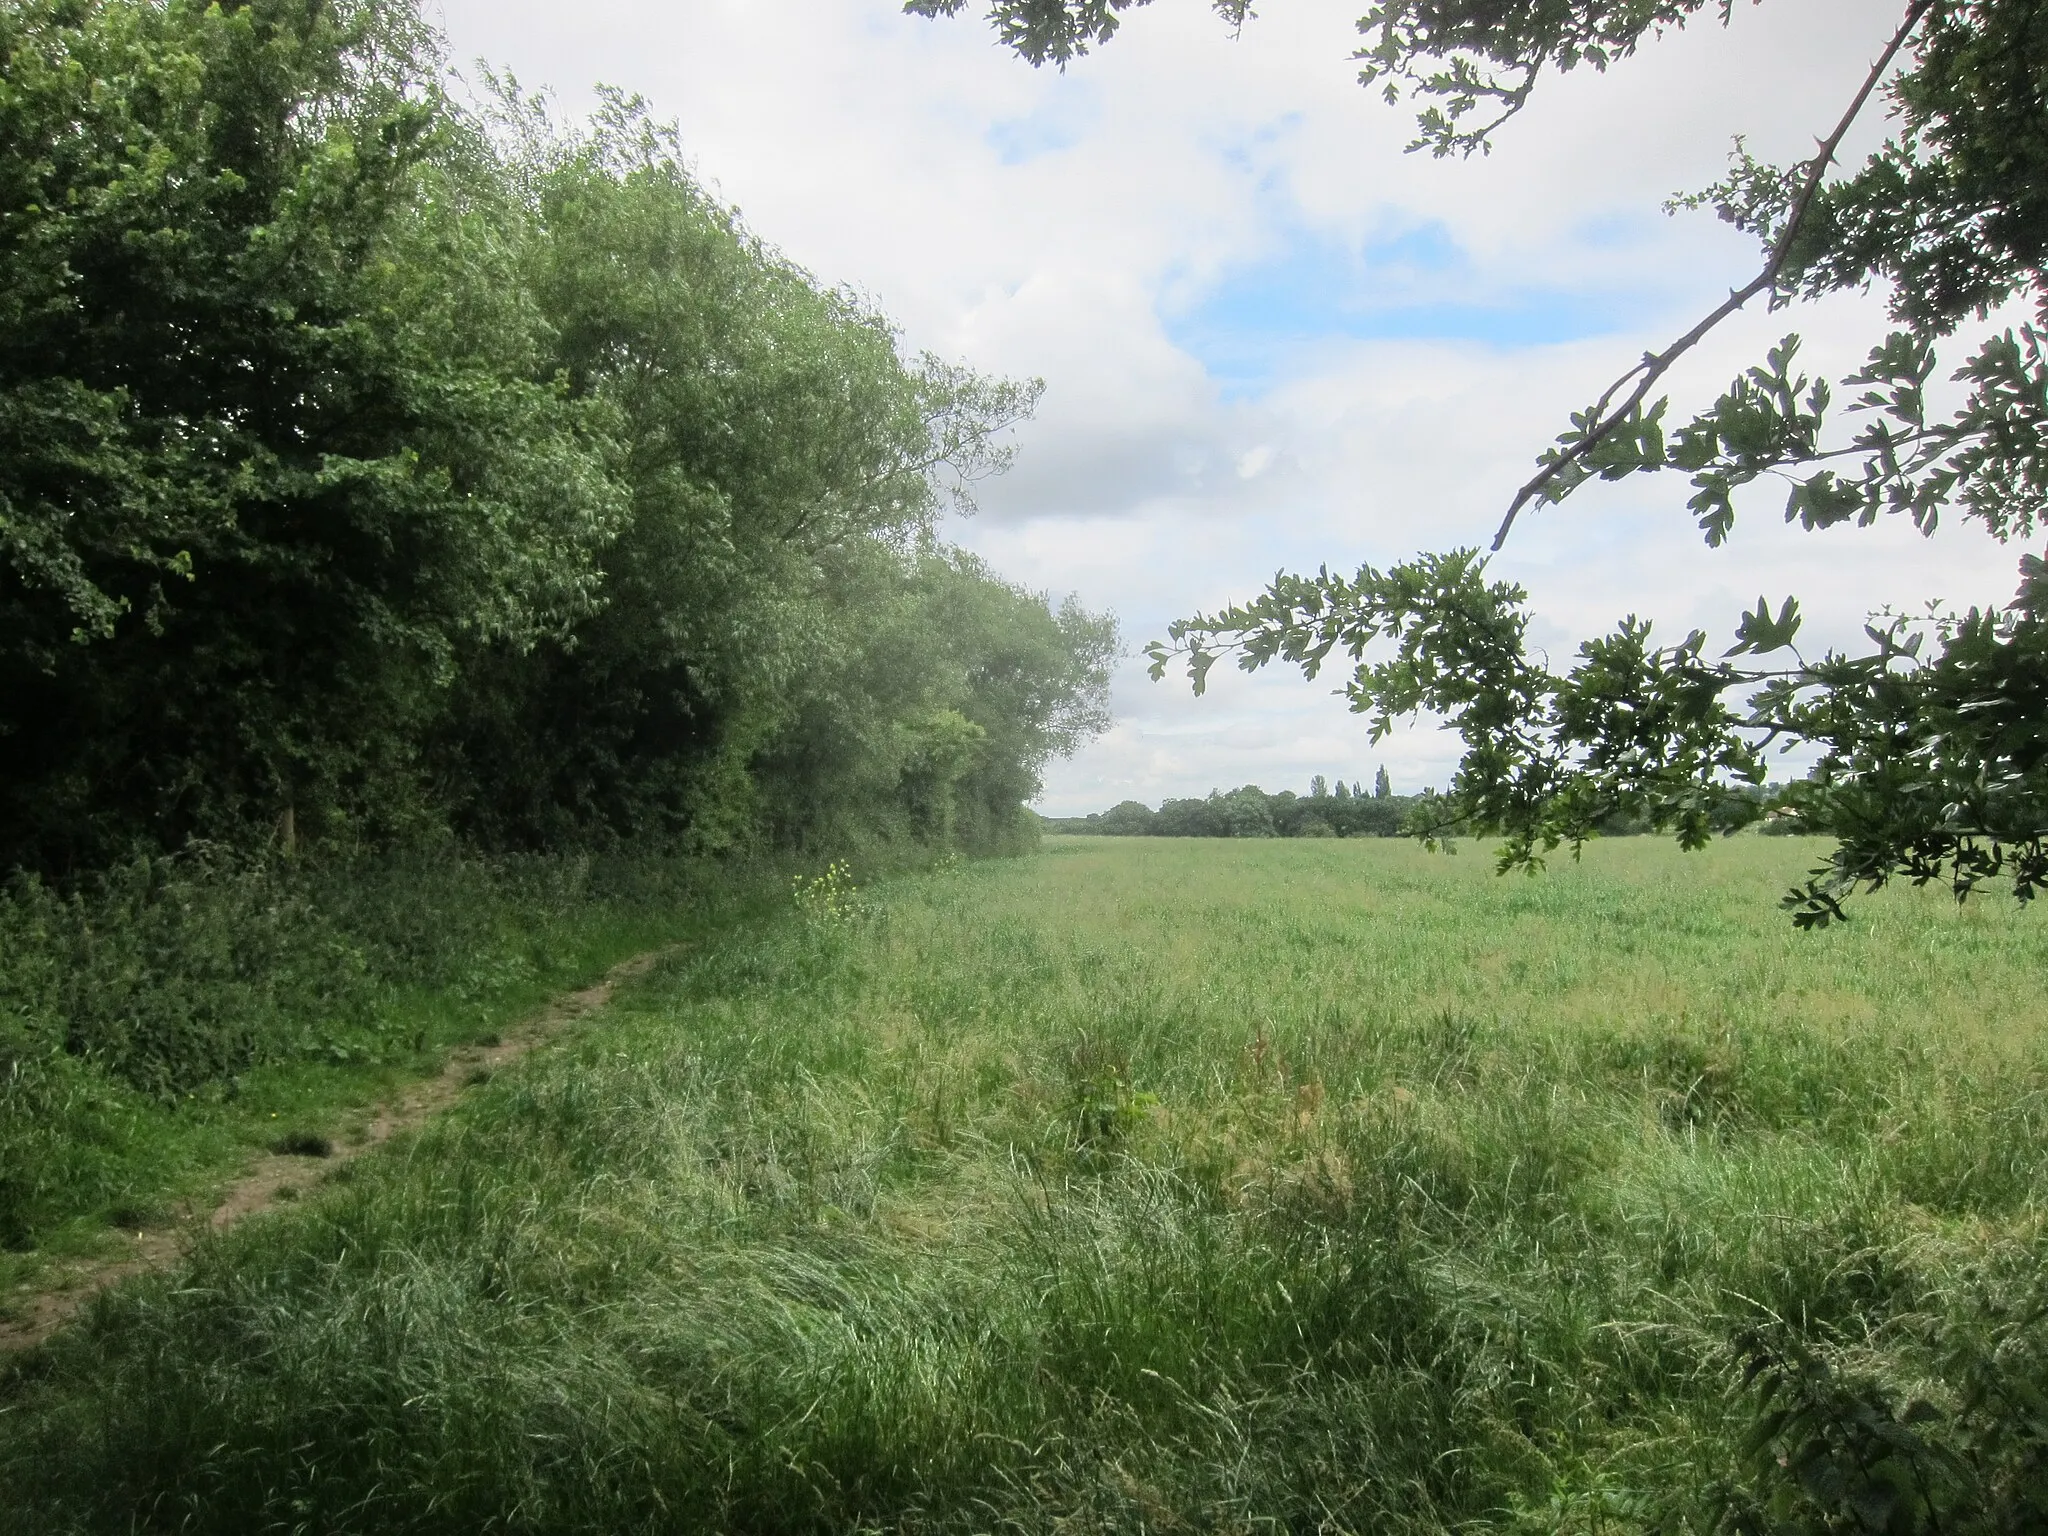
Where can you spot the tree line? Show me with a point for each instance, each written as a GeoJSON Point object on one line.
{"type": "Point", "coordinates": [379, 463]}
{"type": "Point", "coordinates": [1345, 810]}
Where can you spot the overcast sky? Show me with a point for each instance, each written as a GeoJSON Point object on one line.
{"type": "Point", "coordinates": [1268, 337]}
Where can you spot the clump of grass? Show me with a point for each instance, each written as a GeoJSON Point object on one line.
{"type": "Point", "coordinates": [1307, 1186]}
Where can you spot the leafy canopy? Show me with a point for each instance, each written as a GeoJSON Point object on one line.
{"type": "Point", "coordinates": [377, 466]}
{"type": "Point", "coordinates": [1934, 740]}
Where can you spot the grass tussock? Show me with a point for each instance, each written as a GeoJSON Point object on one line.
{"type": "Point", "coordinates": [1156, 1186]}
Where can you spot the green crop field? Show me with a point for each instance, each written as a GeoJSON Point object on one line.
{"type": "Point", "coordinates": [1158, 1185]}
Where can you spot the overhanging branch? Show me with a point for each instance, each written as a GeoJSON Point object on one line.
{"type": "Point", "coordinates": [1644, 376]}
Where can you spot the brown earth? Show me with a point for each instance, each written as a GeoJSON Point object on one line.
{"type": "Point", "coordinates": [279, 1176]}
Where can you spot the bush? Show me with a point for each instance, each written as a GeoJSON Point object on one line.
{"type": "Point", "coordinates": [167, 974]}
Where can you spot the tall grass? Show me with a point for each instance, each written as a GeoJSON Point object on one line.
{"type": "Point", "coordinates": [140, 1014]}
{"type": "Point", "coordinates": [1155, 1186]}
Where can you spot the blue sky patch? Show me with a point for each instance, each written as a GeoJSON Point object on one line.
{"type": "Point", "coordinates": [1060, 121]}
{"type": "Point", "coordinates": [1418, 285]}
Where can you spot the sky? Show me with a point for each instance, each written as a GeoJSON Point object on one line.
{"type": "Point", "coordinates": [1269, 338]}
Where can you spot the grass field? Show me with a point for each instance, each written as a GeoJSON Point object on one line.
{"type": "Point", "coordinates": [1159, 1185]}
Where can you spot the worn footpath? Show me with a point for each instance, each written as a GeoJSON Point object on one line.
{"type": "Point", "coordinates": [280, 1174]}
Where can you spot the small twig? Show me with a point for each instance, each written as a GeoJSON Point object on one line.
{"type": "Point", "coordinates": [1656, 364]}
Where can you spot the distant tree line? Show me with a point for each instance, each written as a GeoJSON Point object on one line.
{"type": "Point", "coordinates": [1342, 809]}
{"type": "Point", "coordinates": [1345, 810]}
{"type": "Point", "coordinates": [375, 466]}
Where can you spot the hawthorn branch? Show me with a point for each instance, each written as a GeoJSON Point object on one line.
{"type": "Point", "coordinates": [1606, 415]}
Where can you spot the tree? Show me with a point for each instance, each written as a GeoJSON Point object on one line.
{"type": "Point", "coordinates": [373, 468]}
{"type": "Point", "coordinates": [1382, 786]}
{"type": "Point", "coordinates": [1060, 31]}
{"type": "Point", "coordinates": [1933, 758]}
{"type": "Point", "coordinates": [1128, 818]}
{"type": "Point", "coordinates": [780, 460]}
{"type": "Point", "coordinates": [277, 438]}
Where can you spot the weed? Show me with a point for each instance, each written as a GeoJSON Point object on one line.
{"type": "Point", "coordinates": [830, 899]}
{"type": "Point", "coordinates": [1102, 1111]}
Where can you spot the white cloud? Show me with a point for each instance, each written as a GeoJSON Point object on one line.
{"type": "Point", "coordinates": [1148, 232]}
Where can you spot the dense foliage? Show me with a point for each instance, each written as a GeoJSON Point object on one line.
{"type": "Point", "coordinates": [1933, 764]}
{"type": "Point", "coordinates": [373, 467]}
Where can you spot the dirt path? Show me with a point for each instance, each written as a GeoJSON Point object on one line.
{"type": "Point", "coordinates": [274, 1173]}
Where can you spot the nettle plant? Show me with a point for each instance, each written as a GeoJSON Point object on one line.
{"type": "Point", "coordinates": [1933, 740]}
